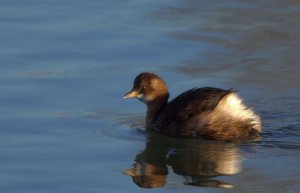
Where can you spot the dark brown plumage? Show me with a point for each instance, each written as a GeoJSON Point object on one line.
{"type": "Point", "coordinates": [200, 112]}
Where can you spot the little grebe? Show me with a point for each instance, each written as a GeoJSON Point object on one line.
{"type": "Point", "coordinates": [207, 112]}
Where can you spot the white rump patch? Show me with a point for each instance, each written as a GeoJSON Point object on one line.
{"type": "Point", "coordinates": [233, 105]}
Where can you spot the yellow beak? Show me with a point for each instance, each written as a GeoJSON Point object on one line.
{"type": "Point", "coordinates": [130, 172]}
{"type": "Point", "coordinates": [131, 94]}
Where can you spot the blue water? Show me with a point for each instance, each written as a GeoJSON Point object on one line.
{"type": "Point", "coordinates": [65, 66]}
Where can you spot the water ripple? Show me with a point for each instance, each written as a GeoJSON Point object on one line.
{"type": "Point", "coordinates": [129, 128]}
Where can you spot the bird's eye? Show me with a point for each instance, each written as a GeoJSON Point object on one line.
{"type": "Point", "coordinates": [144, 87]}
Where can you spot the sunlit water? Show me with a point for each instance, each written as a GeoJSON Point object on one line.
{"type": "Point", "coordinates": [65, 66]}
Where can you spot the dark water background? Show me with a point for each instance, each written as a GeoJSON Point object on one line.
{"type": "Point", "coordinates": [65, 66]}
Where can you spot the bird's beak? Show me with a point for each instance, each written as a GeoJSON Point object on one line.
{"type": "Point", "coordinates": [133, 93]}
{"type": "Point", "coordinates": [130, 172]}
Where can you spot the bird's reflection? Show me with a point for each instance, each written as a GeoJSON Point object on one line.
{"type": "Point", "coordinates": [198, 161]}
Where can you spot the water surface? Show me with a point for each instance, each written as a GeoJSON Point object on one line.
{"type": "Point", "coordinates": [65, 66]}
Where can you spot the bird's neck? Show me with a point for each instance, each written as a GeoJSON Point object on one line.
{"type": "Point", "coordinates": [155, 107]}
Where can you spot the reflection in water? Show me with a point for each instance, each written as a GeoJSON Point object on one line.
{"type": "Point", "coordinates": [198, 161]}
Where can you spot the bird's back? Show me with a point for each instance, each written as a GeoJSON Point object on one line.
{"type": "Point", "coordinates": [205, 112]}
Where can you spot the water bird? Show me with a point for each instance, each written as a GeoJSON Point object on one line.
{"type": "Point", "coordinates": [206, 112]}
